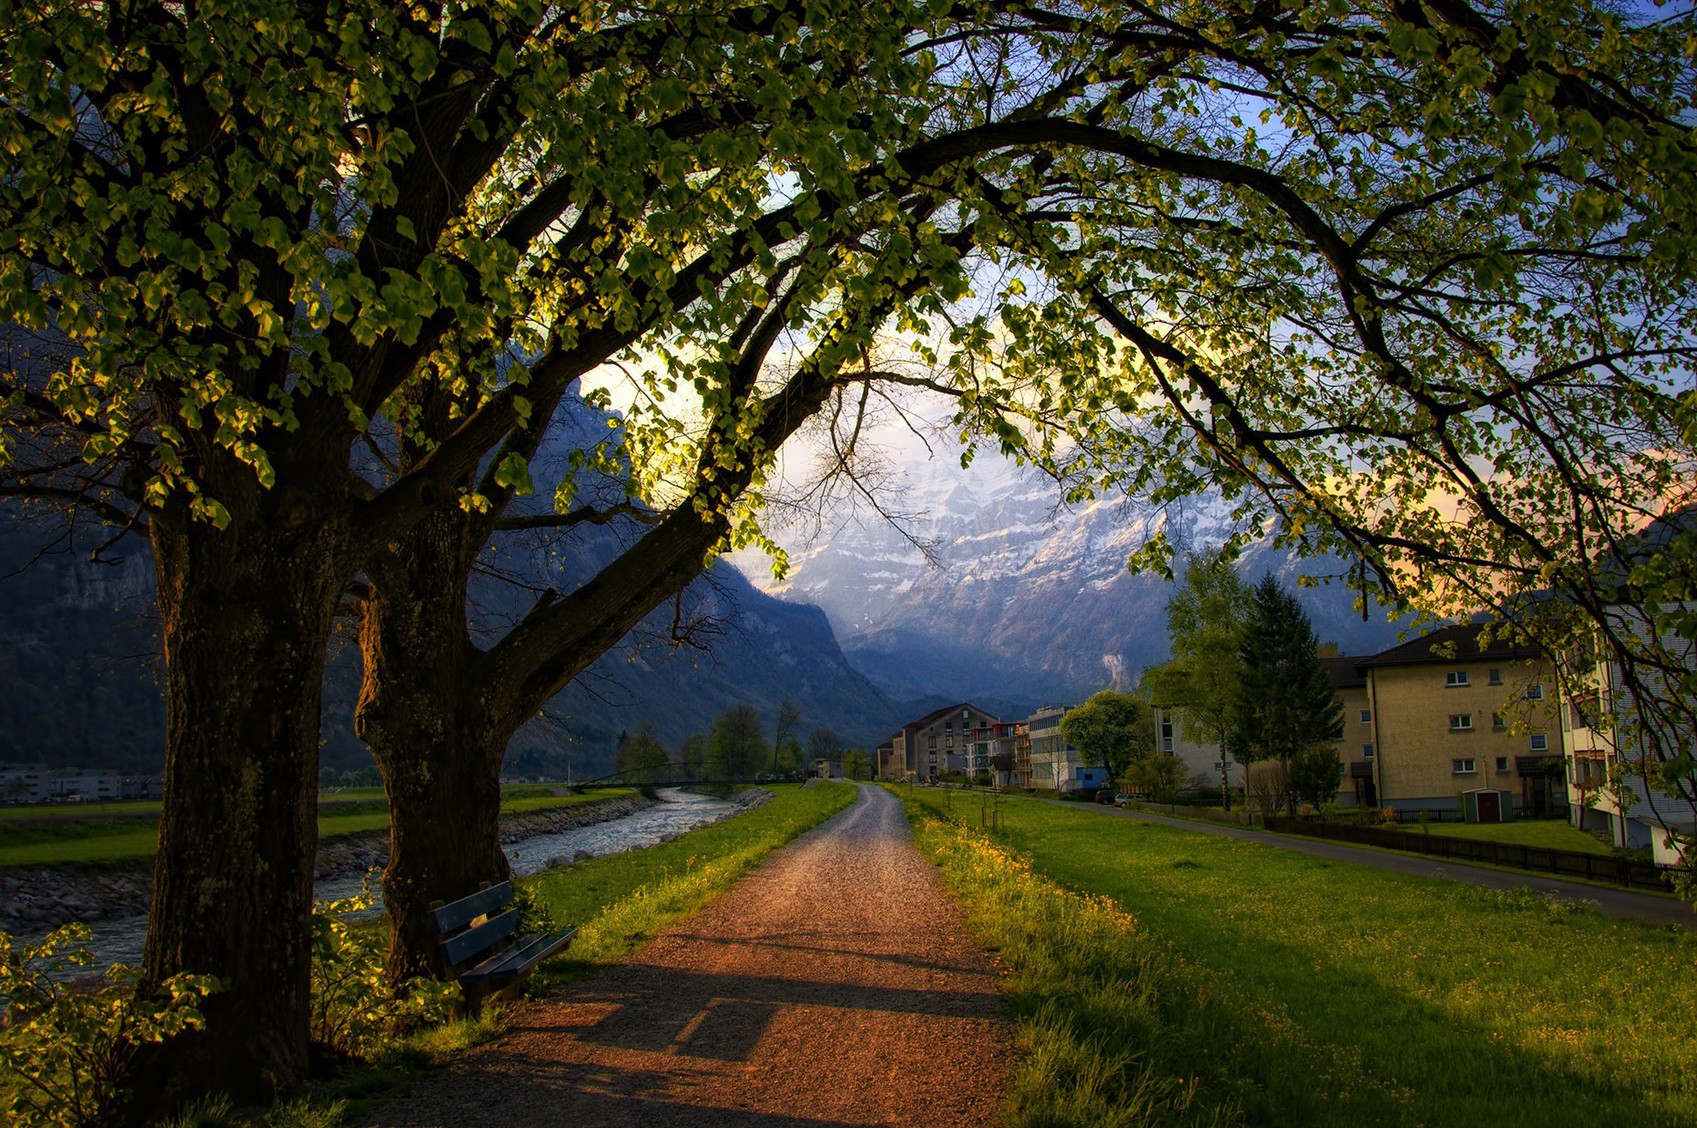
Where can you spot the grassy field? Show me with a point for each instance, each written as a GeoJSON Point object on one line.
{"type": "Point", "coordinates": [1552, 834]}
{"type": "Point", "coordinates": [1194, 979]}
{"type": "Point", "coordinates": [131, 839]}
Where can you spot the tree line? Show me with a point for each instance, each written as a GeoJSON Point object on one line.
{"type": "Point", "coordinates": [300, 293]}
{"type": "Point", "coordinates": [737, 748]}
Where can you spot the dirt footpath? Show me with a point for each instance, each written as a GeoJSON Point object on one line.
{"type": "Point", "coordinates": [834, 985]}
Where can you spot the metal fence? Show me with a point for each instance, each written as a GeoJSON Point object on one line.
{"type": "Point", "coordinates": [1237, 817]}
{"type": "Point", "coordinates": [1628, 872]}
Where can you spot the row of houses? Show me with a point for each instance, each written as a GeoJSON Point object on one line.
{"type": "Point", "coordinates": [1427, 723]}
{"type": "Point", "coordinates": [964, 740]}
{"type": "Point", "coordinates": [35, 783]}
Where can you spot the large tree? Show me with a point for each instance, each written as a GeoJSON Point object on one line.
{"type": "Point", "coordinates": [1199, 683]}
{"type": "Point", "coordinates": [1366, 266]}
{"type": "Point", "coordinates": [1284, 707]}
{"type": "Point", "coordinates": [738, 746]}
{"type": "Point", "coordinates": [1112, 729]}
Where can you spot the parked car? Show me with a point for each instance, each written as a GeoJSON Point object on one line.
{"type": "Point", "coordinates": [1105, 795]}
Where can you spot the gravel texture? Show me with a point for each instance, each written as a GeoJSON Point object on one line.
{"type": "Point", "coordinates": [835, 985]}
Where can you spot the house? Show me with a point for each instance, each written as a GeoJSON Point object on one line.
{"type": "Point", "coordinates": [1449, 715]}
{"type": "Point", "coordinates": [937, 744]}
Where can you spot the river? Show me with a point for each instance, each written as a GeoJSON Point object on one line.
{"type": "Point", "coordinates": [120, 941]}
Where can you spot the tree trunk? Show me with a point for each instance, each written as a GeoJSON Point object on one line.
{"type": "Point", "coordinates": [246, 615]}
{"type": "Point", "coordinates": [423, 715]}
{"type": "Point", "coordinates": [444, 837]}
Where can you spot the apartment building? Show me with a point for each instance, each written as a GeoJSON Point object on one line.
{"type": "Point", "coordinates": [1448, 715]}
{"type": "Point", "coordinates": [936, 744]}
{"type": "Point", "coordinates": [1002, 752]}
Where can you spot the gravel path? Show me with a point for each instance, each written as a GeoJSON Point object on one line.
{"type": "Point", "coordinates": [835, 985]}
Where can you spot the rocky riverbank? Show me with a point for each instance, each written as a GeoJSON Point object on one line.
{"type": "Point", "coordinates": [36, 900]}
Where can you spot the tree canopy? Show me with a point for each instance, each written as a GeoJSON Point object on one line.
{"type": "Point", "coordinates": [1112, 729]}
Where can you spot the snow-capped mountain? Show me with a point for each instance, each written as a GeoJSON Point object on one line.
{"type": "Point", "coordinates": [1021, 597]}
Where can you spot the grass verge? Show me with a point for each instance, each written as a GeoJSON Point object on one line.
{"type": "Point", "coordinates": [1547, 834]}
{"type": "Point", "coordinates": [1215, 979]}
{"type": "Point", "coordinates": [131, 840]}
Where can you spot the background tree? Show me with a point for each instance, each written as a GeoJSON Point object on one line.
{"type": "Point", "coordinates": [789, 716]}
{"type": "Point", "coordinates": [694, 753]}
{"type": "Point", "coordinates": [857, 764]}
{"type": "Point", "coordinates": [1158, 775]}
{"type": "Point", "coordinates": [738, 743]}
{"type": "Point", "coordinates": [640, 752]}
{"type": "Point", "coordinates": [823, 744]}
{"type": "Point", "coordinates": [1285, 706]}
{"type": "Point", "coordinates": [1112, 729]}
{"type": "Point", "coordinates": [1316, 773]}
{"type": "Point", "coordinates": [1205, 621]}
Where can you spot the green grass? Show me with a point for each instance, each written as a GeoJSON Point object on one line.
{"type": "Point", "coordinates": [131, 840]}
{"type": "Point", "coordinates": [1238, 983]}
{"type": "Point", "coordinates": [1550, 834]}
{"type": "Point", "coordinates": [621, 901]}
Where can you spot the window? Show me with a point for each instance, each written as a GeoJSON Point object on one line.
{"type": "Point", "coordinates": [1461, 722]}
{"type": "Point", "coordinates": [1540, 742]}
{"type": "Point", "coordinates": [1366, 716]}
{"type": "Point", "coordinates": [1502, 763]}
{"type": "Point", "coordinates": [1496, 677]}
{"type": "Point", "coordinates": [1534, 692]}
{"type": "Point", "coordinates": [1463, 766]}
{"type": "Point", "coordinates": [1455, 678]}
{"type": "Point", "coordinates": [1166, 735]}
{"type": "Point", "coordinates": [1497, 722]}
{"type": "Point", "coordinates": [1366, 751]}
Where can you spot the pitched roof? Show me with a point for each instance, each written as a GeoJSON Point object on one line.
{"type": "Point", "coordinates": [1344, 672]}
{"type": "Point", "coordinates": [1459, 642]}
{"type": "Point", "coordinates": [938, 714]}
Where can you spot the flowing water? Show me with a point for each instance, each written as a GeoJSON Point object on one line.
{"type": "Point", "coordinates": [120, 941]}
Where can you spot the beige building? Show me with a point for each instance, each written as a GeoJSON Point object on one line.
{"type": "Point", "coordinates": [937, 744]}
{"type": "Point", "coordinates": [1357, 749]}
{"type": "Point", "coordinates": [1449, 716]}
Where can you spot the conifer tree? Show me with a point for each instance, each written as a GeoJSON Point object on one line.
{"type": "Point", "coordinates": [1284, 705]}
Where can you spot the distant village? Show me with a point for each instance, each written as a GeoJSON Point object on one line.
{"type": "Point", "coordinates": [1438, 725]}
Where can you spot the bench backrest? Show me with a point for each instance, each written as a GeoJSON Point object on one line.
{"type": "Point", "coordinates": [464, 943]}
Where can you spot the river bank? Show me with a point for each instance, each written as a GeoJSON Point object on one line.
{"type": "Point", "coordinates": [34, 900]}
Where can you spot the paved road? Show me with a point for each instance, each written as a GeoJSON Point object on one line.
{"type": "Point", "coordinates": [1613, 902]}
{"type": "Point", "coordinates": [834, 985]}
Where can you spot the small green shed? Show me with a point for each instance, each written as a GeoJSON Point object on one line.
{"type": "Point", "coordinates": [1487, 805]}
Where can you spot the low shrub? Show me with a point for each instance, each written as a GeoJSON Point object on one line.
{"type": "Point", "coordinates": [354, 1010]}
{"type": "Point", "coordinates": [66, 1045]}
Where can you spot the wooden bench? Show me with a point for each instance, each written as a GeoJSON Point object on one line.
{"type": "Point", "coordinates": [480, 928]}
